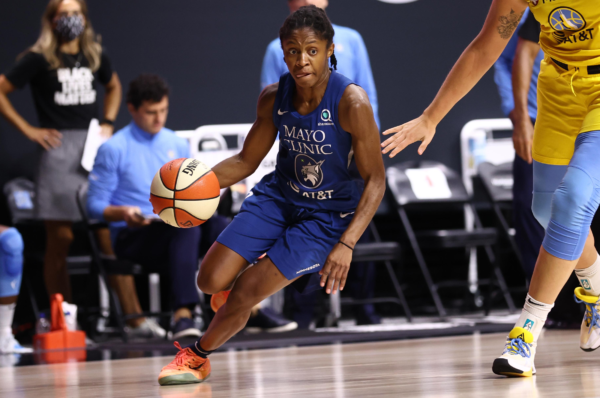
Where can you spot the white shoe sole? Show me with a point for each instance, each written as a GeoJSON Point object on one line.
{"type": "Point", "coordinates": [191, 332]}
{"type": "Point", "coordinates": [285, 328]}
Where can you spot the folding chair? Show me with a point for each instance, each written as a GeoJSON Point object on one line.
{"type": "Point", "coordinates": [376, 251]}
{"type": "Point", "coordinates": [105, 265]}
{"type": "Point", "coordinates": [498, 182]}
{"type": "Point", "coordinates": [408, 194]}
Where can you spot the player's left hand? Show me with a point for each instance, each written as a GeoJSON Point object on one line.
{"type": "Point", "coordinates": [106, 130]}
{"type": "Point", "coordinates": [335, 271]}
{"type": "Point", "coordinates": [419, 129]}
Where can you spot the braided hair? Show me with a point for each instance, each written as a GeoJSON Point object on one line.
{"type": "Point", "coordinates": [313, 18]}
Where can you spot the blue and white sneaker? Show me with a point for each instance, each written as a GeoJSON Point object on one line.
{"type": "Point", "coordinates": [589, 336]}
{"type": "Point", "coordinates": [518, 355]}
{"type": "Point", "coordinates": [9, 345]}
{"type": "Point", "coordinates": [185, 327]}
{"type": "Point", "coordinates": [267, 320]}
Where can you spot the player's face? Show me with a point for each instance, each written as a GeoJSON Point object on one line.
{"type": "Point", "coordinates": [307, 57]}
{"type": "Point", "coordinates": [296, 4]}
{"type": "Point", "coordinates": [150, 116]}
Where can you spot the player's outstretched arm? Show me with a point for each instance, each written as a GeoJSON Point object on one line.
{"type": "Point", "coordinates": [502, 20]}
{"type": "Point", "coordinates": [356, 117]}
{"type": "Point", "coordinates": [258, 143]}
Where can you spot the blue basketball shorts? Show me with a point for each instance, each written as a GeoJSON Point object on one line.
{"type": "Point", "coordinates": [297, 240]}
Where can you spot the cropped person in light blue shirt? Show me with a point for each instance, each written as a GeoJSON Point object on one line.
{"type": "Point", "coordinates": [528, 232]}
{"type": "Point", "coordinates": [350, 51]}
{"type": "Point", "coordinates": [119, 191]}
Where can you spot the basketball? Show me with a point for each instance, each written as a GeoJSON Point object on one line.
{"type": "Point", "coordinates": [185, 193]}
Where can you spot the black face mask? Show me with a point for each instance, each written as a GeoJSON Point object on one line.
{"type": "Point", "coordinates": [69, 28]}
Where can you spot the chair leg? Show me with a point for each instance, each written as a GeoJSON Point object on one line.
{"type": "Point", "coordinates": [422, 264]}
{"type": "Point", "coordinates": [399, 291]}
{"type": "Point", "coordinates": [114, 300]}
{"type": "Point", "coordinates": [32, 300]}
{"type": "Point", "coordinates": [496, 269]}
{"type": "Point", "coordinates": [392, 274]}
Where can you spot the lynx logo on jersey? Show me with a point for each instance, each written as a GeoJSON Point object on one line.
{"type": "Point", "coordinates": [309, 172]}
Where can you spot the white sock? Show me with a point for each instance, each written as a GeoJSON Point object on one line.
{"type": "Point", "coordinates": [534, 316]}
{"type": "Point", "coordinates": [589, 278]}
{"type": "Point", "coordinates": [6, 317]}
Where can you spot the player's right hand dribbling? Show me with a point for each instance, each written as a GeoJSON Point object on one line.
{"type": "Point", "coordinates": [419, 129]}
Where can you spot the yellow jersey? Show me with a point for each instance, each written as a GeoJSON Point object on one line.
{"type": "Point", "coordinates": [570, 30]}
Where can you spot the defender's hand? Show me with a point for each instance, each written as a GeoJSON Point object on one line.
{"type": "Point", "coordinates": [419, 129]}
{"type": "Point", "coordinates": [47, 138]}
{"type": "Point", "coordinates": [335, 270]}
{"type": "Point", "coordinates": [522, 136]}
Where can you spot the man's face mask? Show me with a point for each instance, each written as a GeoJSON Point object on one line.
{"type": "Point", "coordinates": [69, 28]}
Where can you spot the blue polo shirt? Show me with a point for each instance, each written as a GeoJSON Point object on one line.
{"type": "Point", "coordinates": [353, 62]}
{"type": "Point", "coordinates": [503, 76]}
{"type": "Point", "coordinates": [124, 168]}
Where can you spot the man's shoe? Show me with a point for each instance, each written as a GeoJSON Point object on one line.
{"type": "Point", "coordinates": [186, 368]}
{"type": "Point", "coordinates": [589, 335]}
{"type": "Point", "coordinates": [185, 327]}
{"type": "Point", "coordinates": [9, 345]}
{"type": "Point", "coordinates": [269, 321]}
{"type": "Point", "coordinates": [149, 329]}
{"type": "Point", "coordinates": [217, 300]}
{"type": "Point", "coordinates": [518, 355]}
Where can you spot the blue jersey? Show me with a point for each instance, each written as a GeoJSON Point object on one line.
{"type": "Point", "coordinates": [315, 165]}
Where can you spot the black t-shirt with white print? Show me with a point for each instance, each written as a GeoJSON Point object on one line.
{"type": "Point", "coordinates": [65, 98]}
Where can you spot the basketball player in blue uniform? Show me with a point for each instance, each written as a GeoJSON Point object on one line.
{"type": "Point", "coordinates": [306, 215]}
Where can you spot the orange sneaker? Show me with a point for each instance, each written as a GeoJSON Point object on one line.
{"type": "Point", "coordinates": [217, 300]}
{"type": "Point", "coordinates": [186, 368]}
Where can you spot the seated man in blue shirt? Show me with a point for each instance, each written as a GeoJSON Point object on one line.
{"type": "Point", "coordinates": [350, 51]}
{"type": "Point", "coordinates": [119, 193]}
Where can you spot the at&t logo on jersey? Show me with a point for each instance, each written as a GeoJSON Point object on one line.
{"type": "Point", "coordinates": [569, 26]}
{"type": "Point", "coordinates": [308, 171]}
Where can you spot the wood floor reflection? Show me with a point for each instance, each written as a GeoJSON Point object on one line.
{"type": "Point", "coordinates": [440, 367]}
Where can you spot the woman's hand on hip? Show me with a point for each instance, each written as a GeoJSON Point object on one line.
{"type": "Point", "coordinates": [47, 138]}
{"type": "Point", "coordinates": [419, 129]}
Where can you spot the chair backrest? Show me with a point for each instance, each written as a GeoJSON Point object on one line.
{"type": "Point", "coordinates": [20, 194]}
{"type": "Point", "coordinates": [425, 182]}
{"type": "Point", "coordinates": [497, 180]}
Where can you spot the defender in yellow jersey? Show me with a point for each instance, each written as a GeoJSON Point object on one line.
{"type": "Point", "coordinates": [566, 153]}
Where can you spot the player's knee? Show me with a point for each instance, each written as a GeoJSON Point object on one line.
{"type": "Point", "coordinates": [573, 206]}
{"type": "Point", "coordinates": [208, 283]}
{"type": "Point", "coordinates": [541, 207]}
{"type": "Point", "coordinates": [573, 203]}
{"type": "Point", "coordinates": [11, 262]}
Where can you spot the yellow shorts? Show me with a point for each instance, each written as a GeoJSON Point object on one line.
{"type": "Point", "coordinates": [562, 115]}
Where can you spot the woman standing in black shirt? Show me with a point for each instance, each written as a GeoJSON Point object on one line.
{"type": "Point", "coordinates": [64, 69]}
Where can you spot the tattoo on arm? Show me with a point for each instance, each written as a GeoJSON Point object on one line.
{"type": "Point", "coordinates": [508, 24]}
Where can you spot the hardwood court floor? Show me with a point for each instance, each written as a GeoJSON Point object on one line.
{"type": "Point", "coordinates": [439, 367]}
